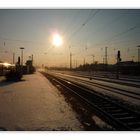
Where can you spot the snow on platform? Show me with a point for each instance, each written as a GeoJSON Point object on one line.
{"type": "Point", "coordinates": [34, 104]}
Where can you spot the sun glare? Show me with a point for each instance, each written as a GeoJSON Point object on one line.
{"type": "Point", "coordinates": [57, 40]}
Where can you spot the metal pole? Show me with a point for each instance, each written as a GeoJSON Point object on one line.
{"type": "Point", "coordinates": [70, 61]}
{"type": "Point", "coordinates": [103, 60]}
{"type": "Point", "coordinates": [76, 63]}
{"type": "Point", "coordinates": [13, 58]}
{"type": "Point", "coordinates": [84, 61]}
{"type": "Point", "coordinates": [21, 56]}
{"type": "Point", "coordinates": [32, 57]}
{"type": "Point", "coordinates": [106, 56]}
{"type": "Point", "coordinates": [92, 68]}
{"type": "Point", "coordinates": [138, 53]}
{"type": "Point", "coordinates": [93, 58]}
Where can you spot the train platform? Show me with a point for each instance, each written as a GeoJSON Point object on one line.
{"type": "Point", "coordinates": [34, 104]}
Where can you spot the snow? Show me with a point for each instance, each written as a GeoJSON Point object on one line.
{"type": "Point", "coordinates": [98, 76]}
{"type": "Point", "coordinates": [113, 93]}
{"type": "Point", "coordinates": [110, 84]}
{"type": "Point", "coordinates": [35, 104]}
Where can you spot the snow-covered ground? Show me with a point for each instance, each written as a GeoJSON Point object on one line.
{"type": "Point", "coordinates": [131, 80]}
{"type": "Point", "coordinates": [34, 104]}
{"type": "Point", "coordinates": [127, 90]}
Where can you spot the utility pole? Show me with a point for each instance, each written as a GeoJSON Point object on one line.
{"type": "Point", "coordinates": [103, 60]}
{"type": "Point", "coordinates": [84, 61]}
{"type": "Point", "coordinates": [92, 68]}
{"type": "Point", "coordinates": [138, 53]}
{"type": "Point", "coordinates": [13, 58]}
{"type": "Point", "coordinates": [22, 55]}
{"type": "Point", "coordinates": [93, 58]}
{"type": "Point", "coordinates": [106, 62]}
{"type": "Point", "coordinates": [70, 61]}
{"type": "Point", "coordinates": [32, 57]}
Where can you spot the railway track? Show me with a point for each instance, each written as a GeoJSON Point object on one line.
{"type": "Point", "coordinates": [120, 117]}
{"type": "Point", "coordinates": [131, 94]}
{"type": "Point", "coordinates": [106, 79]}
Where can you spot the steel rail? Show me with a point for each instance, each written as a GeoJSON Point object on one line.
{"type": "Point", "coordinates": [106, 79]}
{"type": "Point", "coordinates": [110, 88]}
{"type": "Point", "coordinates": [113, 89]}
{"type": "Point", "coordinates": [116, 115]}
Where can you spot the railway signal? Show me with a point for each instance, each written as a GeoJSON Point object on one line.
{"type": "Point", "coordinates": [118, 57]}
{"type": "Point", "coordinates": [118, 62]}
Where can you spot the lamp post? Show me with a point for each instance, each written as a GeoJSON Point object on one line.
{"type": "Point", "coordinates": [13, 58]}
{"type": "Point", "coordinates": [138, 53]}
{"type": "Point", "coordinates": [21, 55]}
{"type": "Point", "coordinates": [70, 61]}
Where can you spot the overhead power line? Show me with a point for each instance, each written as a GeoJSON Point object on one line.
{"type": "Point", "coordinates": [126, 31]}
{"type": "Point", "coordinates": [84, 24]}
{"type": "Point", "coordinates": [119, 34]}
{"type": "Point", "coordinates": [73, 18]}
{"type": "Point", "coordinates": [107, 25]}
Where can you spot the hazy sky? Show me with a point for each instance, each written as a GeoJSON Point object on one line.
{"type": "Point", "coordinates": [84, 32]}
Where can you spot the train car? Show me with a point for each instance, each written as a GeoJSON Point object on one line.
{"type": "Point", "coordinates": [5, 67]}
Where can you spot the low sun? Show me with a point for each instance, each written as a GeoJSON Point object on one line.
{"type": "Point", "coordinates": [57, 40]}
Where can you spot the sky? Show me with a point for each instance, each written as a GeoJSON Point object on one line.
{"type": "Point", "coordinates": [85, 33]}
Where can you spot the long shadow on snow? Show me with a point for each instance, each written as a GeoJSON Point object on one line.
{"type": "Point", "coordinates": [6, 82]}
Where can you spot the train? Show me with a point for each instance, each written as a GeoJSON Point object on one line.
{"type": "Point", "coordinates": [15, 71]}
{"type": "Point", "coordinates": [5, 67]}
